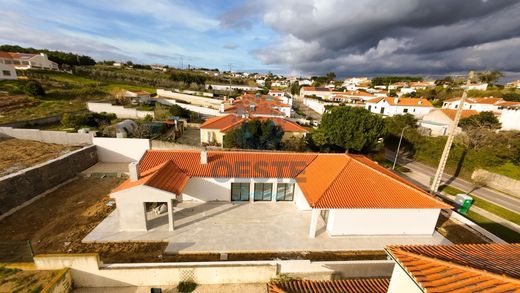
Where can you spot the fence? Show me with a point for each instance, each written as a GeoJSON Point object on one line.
{"type": "Point", "coordinates": [58, 137]}
{"type": "Point", "coordinates": [120, 111]}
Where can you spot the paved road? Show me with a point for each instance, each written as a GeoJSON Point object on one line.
{"type": "Point", "coordinates": [499, 198]}
{"type": "Point", "coordinates": [298, 102]}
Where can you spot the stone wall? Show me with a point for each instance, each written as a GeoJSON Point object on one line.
{"type": "Point", "coordinates": [19, 187]}
{"type": "Point", "coordinates": [498, 182]}
{"type": "Point", "coordinates": [62, 283]}
{"type": "Point", "coordinates": [164, 145]}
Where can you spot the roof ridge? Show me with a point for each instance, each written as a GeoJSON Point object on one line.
{"type": "Point", "coordinates": [458, 266]}
{"type": "Point", "coordinates": [154, 174]}
{"type": "Point", "coordinates": [422, 192]}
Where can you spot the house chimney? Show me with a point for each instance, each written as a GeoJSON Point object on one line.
{"type": "Point", "coordinates": [204, 157]}
{"type": "Point", "coordinates": [420, 102]}
{"type": "Point", "coordinates": [133, 169]}
{"type": "Point", "coordinates": [221, 108]}
{"type": "Point", "coordinates": [396, 100]}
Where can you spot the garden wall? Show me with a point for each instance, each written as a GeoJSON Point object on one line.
{"type": "Point", "coordinates": [499, 182]}
{"type": "Point", "coordinates": [48, 136]}
{"type": "Point", "coordinates": [120, 150]}
{"type": "Point", "coordinates": [120, 111]}
{"type": "Point", "coordinates": [193, 108]}
{"type": "Point", "coordinates": [201, 101]}
{"type": "Point", "coordinates": [164, 145]}
{"type": "Point", "coordinates": [19, 187]}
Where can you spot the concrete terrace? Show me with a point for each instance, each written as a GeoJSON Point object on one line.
{"type": "Point", "coordinates": [259, 226]}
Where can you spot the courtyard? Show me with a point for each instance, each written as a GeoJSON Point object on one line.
{"type": "Point", "coordinates": [244, 227]}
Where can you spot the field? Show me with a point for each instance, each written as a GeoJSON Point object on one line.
{"type": "Point", "coordinates": [18, 154]}
{"type": "Point", "coordinates": [63, 93]}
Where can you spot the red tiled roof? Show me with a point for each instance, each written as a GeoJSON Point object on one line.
{"type": "Point", "coordinates": [415, 102]}
{"type": "Point", "coordinates": [353, 181]}
{"type": "Point", "coordinates": [326, 180]}
{"type": "Point", "coordinates": [229, 122]}
{"type": "Point", "coordinates": [462, 267]}
{"type": "Point", "coordinates": [465, 113]}
{"type": "Point", "coordinates": [508, 104]}
{"type": "Point", "coordinates": [166, 176]}
{"type": "Point", "coordinates": [374, 285]}
{"type": "Point", "coordinates": [5, 55]}
{"type": "Point", "coordinates": [483, 100]}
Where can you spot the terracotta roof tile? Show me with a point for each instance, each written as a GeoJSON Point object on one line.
{"type": "Point", "coordinates": [452, 112]}
{"type": "Point", "coordinates": [230, 122]}
{"type": "Point", "coordinates": [374, 285]}
{"type": "Point", "coordinates": [462, 267]}
{"type": "Point", "coordinates": [326, 180]}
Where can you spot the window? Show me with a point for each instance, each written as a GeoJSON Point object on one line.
{"type": "Point", "coordinates": [263, 191]}
{"type": "Point", "coordinates": [382, 110]}
{"type": "Point", "coordinates": [284, 191]}
{"type": "Point", "coordinates": [369, 107]}
{"type": "Point", "coordinates": [239, 191]}
{"type": "Point", "coordinates": [405, 110]}
{"type": "Point", "coordinates": [6, 73]}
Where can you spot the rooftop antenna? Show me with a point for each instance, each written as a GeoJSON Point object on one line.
{"type": "Point", "coordinates": [451, 134]}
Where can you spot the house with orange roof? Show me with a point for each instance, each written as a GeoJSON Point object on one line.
{"type": "Point", "coordinates": [478, 104]}
{"type": "Point", "coordinates": [140, 96]}
{"type": "Point", "coordinates": [213, 130]}
{"type": "Point", "coordinates": [455, 268]}
{"type": "Point", "coordinates": [257, 105]}
{"type": "Point", "coordinates": [27, 61]}
{"type": "Point", "coordinates": [348, 194]}
{"type": "Point", "coordinates": [321, 92]}
{"type": "Point", "coordinates": [391, 106]}
{"type": "Point", "coordinates": [438, 121]}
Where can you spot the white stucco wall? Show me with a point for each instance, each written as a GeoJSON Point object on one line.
{"type": "Point", "coordinates": [131, 208]}
{"type": "Point", "coordinates": [299, 198]}
{"type": "Point", "coordinates": [10, 69]}
{"type": "Point", "coordinates": [401, 282]}
{"type": "Point", "coordinates": [382, 221]}
{"type": "Point", "coordinates": [120, 111]}
{"type": "Point", "coordinates": [211, 135]}
{"type": "Point", "coordinates": [510, 119]}
{"type": "Point", "coordinates": [120, 150]}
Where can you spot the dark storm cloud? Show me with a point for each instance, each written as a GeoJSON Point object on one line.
{"type": "Point", "coordinates": [378, 36]}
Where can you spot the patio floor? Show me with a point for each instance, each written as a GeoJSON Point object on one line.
{"type": "Point", "coordinates": [228, 227]}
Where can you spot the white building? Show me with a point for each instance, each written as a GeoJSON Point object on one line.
{"type": "Point", "coordinates": [321, 92]}
{"type": "Point", "coordinates": [510, 115]}
{"type": "Point", "coordinates": [477, 104]}
{"type": "Point", "coordinates": [514, 84]}
{"type": "Point", "coordinates": [439, 120]}
{"type": "Point", "coordinates": [422, 85]}
{"type": "Point", "coordinates": [352, 194]}
{"type": "Point", "coordinates": [27, 61]}
{"type": "Point", "coordinates": [406, 90]}
{"type": "Point", "coordinates": [417, 107]}
{"type": "Point", "coordinates": [7, 72]}
{"type": "Point", "coordinates": [225, 87]}
{"type": "Point", "coordinates": [138, 96]}
{"type": "Point", "coordinates": [475, 86]}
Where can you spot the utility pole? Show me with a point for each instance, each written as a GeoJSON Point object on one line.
{"type": "Point", "coordinates": [451, 134]}
{"type": "Point", "coordinates": [398, 147]}
{"type": "Point", "coordinates": [229, 95]}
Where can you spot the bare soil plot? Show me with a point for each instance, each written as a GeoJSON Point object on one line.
{"type": "Point", "coordinates": [10, 103]}
{"type": "Point", "coordinates": [18, 154]}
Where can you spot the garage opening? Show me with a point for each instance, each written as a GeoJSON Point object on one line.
{"type": "Point", "coordinates": [156, 214]}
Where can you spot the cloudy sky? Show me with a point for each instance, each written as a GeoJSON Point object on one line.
{"type": "Point", "coordinates": [298, 37]}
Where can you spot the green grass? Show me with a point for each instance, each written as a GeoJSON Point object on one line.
{"type": "Point", "coordinates": [486, 205]}
{"type": "Point", "coordinates": [70, 78]}
{"type": "Point", "coordinates": [508, 169]}
{"type": "Point", "coordinates": [502, 232]}
{"type": "Point", "coordinates": [111, 86]}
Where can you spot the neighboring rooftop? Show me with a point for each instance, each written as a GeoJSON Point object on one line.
{"type": "Point", "coordinates": [452, 112]}
{"type": "Point", "coordinates": [229, 122]}
{"type": "Point", "coordinates": [332, 286]}
{"type": "Point", "coordinates": [394, 101]}
{"type": "Point", "coordinates": [462, 267]}
{"type": "Point", "coordinates": [326, 180]}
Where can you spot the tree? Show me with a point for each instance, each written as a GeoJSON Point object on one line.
{"type": "Point", "coordinates": [484, 119]}
{"type": "Point", "coordinates": [119, 95]}
{"type": "Point", "coordinates": [176, 110]}
{"type": "Point", "coordinates": [350, 128]}
{"type": "Point", "coordinates": [490, 76]}
{"type": "Point", "coordinates": [395, 124]}
{"type": "Point", "coordinates": [255, 134]}
{"type": "Point", "coordinates": [295, 88]}
{"type": "Point", "coordinates": [331, 76]}
{"type": "Point", "coordinates": [34, 89]}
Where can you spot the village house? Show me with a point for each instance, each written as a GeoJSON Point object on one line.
{"type": "Point", "coordinates": [513, 84]}
{"type": "Point", "coordinates": [321, 92]}
{"type": "Point", "coordinates": [477, 104]}
{"type": "Point", "coordinates": [7, 72]}
{"type": "Point", "coordinates": [397, 85]}
{"type": "Point", "coordinates": [438, 121]}
{"type": "Point", "coordinates": [396, 106]}
{"type": "Point", "coordinates": [213, 130]}
{"type": "Point", "coordinates": [138, 96]}
{"type": "Point", "coordinates": [421, 85]}
{"type": "Point", "coordinates": [27, 61]}
{"type": "Point", "coordinates": [509, 115]}
{"type": "Point", "coordinates": [352, 194]}
{"type": "Point", "coordinates": [281, 96]}
{"type": "Point", "coordinates": [257, 105]}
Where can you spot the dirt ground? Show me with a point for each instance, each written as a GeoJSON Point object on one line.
{"type": "Point", "coordinates": [13, 280]}
{"type": "Point", "coordinates": [18, 154]}
{"type": "Point", "coordinates": [456, 233]}
{"type": "Point", "coordinates": [9, 103]}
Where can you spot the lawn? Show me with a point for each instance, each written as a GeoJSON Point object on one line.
{"type": "Point", "coordinates": [508, 169]}
{"type": "Point", "coordinates": [495, 228]}
{"type": "Point", "coordinates": [486, 205]}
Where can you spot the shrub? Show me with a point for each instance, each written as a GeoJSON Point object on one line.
{"type": "Point", "coordinates": [186, 286]}
{"type": "Point", "coordinates": [34, 88]}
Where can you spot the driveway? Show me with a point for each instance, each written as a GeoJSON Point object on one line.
{"type": "Point", "coordinates": [253, 227]}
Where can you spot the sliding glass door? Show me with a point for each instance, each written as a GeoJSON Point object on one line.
{"type": "Point", "coordinates": [239, 191]}
{"type": "Point", "coordinates": [263, 191]}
